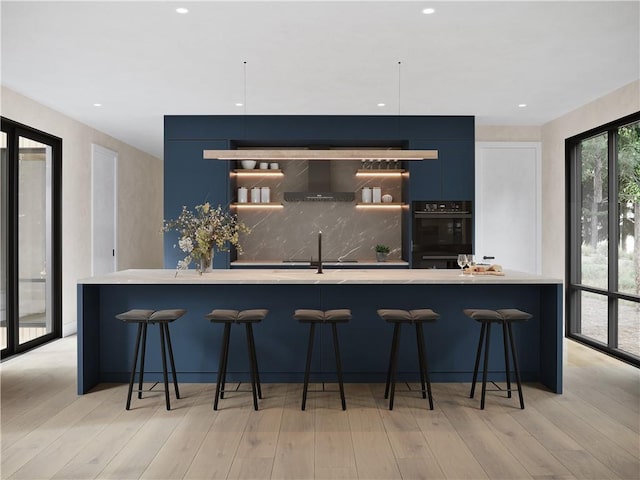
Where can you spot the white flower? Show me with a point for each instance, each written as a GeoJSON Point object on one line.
{"type": "Point", "coordinates": [186, 245]}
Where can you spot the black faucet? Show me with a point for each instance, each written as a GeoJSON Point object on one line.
{"type": "Point", "coordinates": [319, 252]}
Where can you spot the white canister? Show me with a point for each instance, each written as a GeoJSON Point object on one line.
{"type": "Point", "coordinates": [366, 195]}
{"type": "Point", "coordinates": [265, 195]}
{"type": "Point", "coordinates": [377, 194]}
{"type": "Point", "coordinates": [274, 166]}
{"type": "Point", "coordinates": [255, 195]}
{"type": "Point", "coordinates": [242, 195]}
{"type": "Point", "coordinates": [264, 165]}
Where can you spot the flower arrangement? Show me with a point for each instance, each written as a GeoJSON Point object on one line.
{"type": "Point", "coordinates": [202, 231]}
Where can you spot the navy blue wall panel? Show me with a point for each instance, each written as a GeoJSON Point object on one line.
{"type": "Point", "coordinates": [190, 180]}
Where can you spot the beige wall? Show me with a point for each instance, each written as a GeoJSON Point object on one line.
{"type": "Point", "coordinates": [139, 197]}
{"type": "Point", "coordinates": [613, 106]}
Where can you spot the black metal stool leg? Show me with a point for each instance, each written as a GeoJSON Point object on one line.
{"type": "Point", "coordinates": [164, 369]}
{"type": "Point", "coordinates": [422, 354]}
{"type": "Point", "coordinates": [308, 367]}
{"type": "Point", "coordinates": [394, 343]}
{"type": "Point", "coordinates": [225, 363]}
{"type": "Point", "coordinates": [144, 351]}
{"type": "Point", "coordinates": [515, 364]}
{"type": "Point", "coordinates": [506, 358]}
{"type": "Point", "coordinates": [222, 363]}
{"type": "Point", "coordinates": [486, 364]}
{"type": "Point", "coordinates": [252, 368]}
{"type": "Point", "coordinates": [254, 358]}
{"type": "Point", "coordinates": [173, 365]}
{"type": "Point", "coordinates": [475, 368]}
{"type": "Point", "coordinates": [394, 368]}
{"type": "Point", "coordinates": [133, 368]}
{"type": "Point", "coordinates": [420, 358]}
{"type": "Point", "coordinates": [336, 348]}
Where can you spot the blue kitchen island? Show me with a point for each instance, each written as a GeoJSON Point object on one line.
{"type": "Point", "coordinates": [105, 345]}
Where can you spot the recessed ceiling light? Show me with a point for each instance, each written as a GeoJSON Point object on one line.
{"type": "Point", "coordinates": [182, 10]}
{"type": "Point", "coordinates": [239, 104]}
{"type": "Point", "coordinates": [97, 104]}
{"type": "Point", "coordinates": [382, 104]}
{"type": "Point", "coordinates": [522, 105]}
{"type": "Point", "coordinates": [428, 11]}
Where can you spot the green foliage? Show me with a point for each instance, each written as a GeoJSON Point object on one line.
{"type": "Point", "coordinates": [382, 248]}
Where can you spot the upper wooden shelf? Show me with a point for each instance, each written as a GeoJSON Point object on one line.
{"type": "Point", "coordinates": [258, 171]}
{"type": "Point", "coordinates": [301, 154]}
{"type": "Point", "coordinates": [381, 172]}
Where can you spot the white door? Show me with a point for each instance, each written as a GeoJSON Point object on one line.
{"type": "Point", "coordinates": [103, 210]}
{"type": "Point", "coordinates": [507, 206]}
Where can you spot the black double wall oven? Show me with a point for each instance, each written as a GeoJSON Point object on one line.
{"type": "Point", "coordinates": [441, 230]}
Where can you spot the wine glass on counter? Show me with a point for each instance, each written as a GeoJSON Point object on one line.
{"type": "Point", "coordinates": [470, 263]}
{"type": "Point", "coordinates": [462, 262]}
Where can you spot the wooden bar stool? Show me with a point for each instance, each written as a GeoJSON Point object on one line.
{"type": "Point", "coordinates": [143, 318]}
{"type": "Point", "coordinates": [313, 317]}
{"type": "Point", "coordinates": [417, 318]}
{"type": "Point", "coordinates": [248, 318]}
{"type": "Point", "coordinates": [505, 318]}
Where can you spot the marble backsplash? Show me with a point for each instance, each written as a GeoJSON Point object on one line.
{"type": "Point", "coordinates": [348, 233]}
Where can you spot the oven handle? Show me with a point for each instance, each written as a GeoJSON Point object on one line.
{"type": "Point", "coordinates": [437, 257]}
{"type": "Point", "coordinates": [442, 215]}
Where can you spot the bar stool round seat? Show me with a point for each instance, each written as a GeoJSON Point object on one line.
{"type": "Point", "coordinates": [248, 318]}
{"type": "Point", "coordinates": [314, 317]}
{"type": "Point", "coordinates": [410, 317]}
{"type": "Point", "coordinates": [504, 317]}
{"type": "Point", "coordinates": [143, 318]}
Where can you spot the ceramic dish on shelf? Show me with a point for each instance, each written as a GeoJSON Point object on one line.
{"type": "Point", "coordinates": [248, 164]}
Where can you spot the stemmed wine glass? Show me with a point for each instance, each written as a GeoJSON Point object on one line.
{"type": "Point", "coordinates": [470, 263]}
{"type": "Point", "coordinates": [462, 262]}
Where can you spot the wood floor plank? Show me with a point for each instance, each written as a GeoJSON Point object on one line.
{"type": "Point", "coordinates": [175, 457]}
{"type": "Point", "coordinates": [47, 431]}
{"type": "Point", "coordinates": [295, 456]}
{"type": "Point", "coordinates": [55, 456]}
{"type": "Point", "coordinates": [37, 440]}
{"type": "Point", "coordinates": [374, 455]}
{"type": "Point", "coordinates": [453, 456]}
{"type": "Point", "coordinates": [216, 453]}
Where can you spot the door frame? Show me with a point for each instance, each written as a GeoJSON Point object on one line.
{"type": "Point", "coordinates": [100, 150]}
{"type": "Point", "coordinates": [14, 130]}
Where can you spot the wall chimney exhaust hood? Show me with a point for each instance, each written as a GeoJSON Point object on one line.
{"type": "Point", "coordinates": [277, 154]}
{"type": "Point", "coordinates": [319, 186]}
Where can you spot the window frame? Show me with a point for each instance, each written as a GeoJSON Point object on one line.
{"type": "Point", "coordinates": [573, 242]}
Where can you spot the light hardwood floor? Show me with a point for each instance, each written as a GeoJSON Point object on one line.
{"type": "Point", "coordinates": [592, 431]}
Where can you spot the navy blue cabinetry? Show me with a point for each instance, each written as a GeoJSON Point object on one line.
{"type": "Point", "coordinates": [190, 180]}
{"type": "Point", "coordinates": [450, 177]}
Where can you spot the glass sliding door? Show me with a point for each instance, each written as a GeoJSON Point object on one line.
{"type": "Point", "coordinates": [34, 240]}
{"type": "Point", "coordinates": [31, 263]}
{"type": "Point", "coordinates": [4, 189]}
{"type": "Point", "coordinates": [603, 295]}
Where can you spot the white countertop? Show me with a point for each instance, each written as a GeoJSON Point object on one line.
{"type": "Point", "coordinates": [360, 264]}
{"type": "Point", "coordinates": [309, 276]}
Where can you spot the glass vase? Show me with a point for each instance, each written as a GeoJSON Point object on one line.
{"type": "Point", "coordinates": [205, 264]}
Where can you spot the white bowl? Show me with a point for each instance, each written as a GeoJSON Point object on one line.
{"type": "Point", "coordinates": [248, 164]}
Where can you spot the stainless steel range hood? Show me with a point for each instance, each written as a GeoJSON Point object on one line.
{"type": "Point", "coordinates": [319, 186]}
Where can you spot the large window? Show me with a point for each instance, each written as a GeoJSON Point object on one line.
{"type": "Point", "coordinates": [30, 300]}
{"type": "Point", "coordinates": [603, 297]}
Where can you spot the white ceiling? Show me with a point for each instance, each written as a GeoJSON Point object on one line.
{"type": "Point", "coordinates": [142, 60]}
